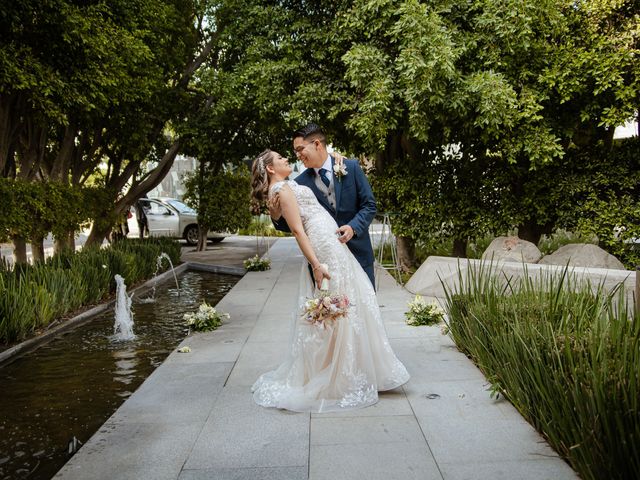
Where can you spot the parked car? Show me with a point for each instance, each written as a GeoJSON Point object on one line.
{"type": "Point", "coordinates": [168, 217]}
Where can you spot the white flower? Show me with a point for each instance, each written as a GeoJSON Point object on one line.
{"type": "Point", "coordinates": [104, 266]}
{"type": "Point", "coordinates": [422, 312]}
{"type": "Point", "coordinates": [339, 169]}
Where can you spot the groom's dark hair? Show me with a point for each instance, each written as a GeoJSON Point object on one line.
{"type": "Point", "coordinates": [311, 132]}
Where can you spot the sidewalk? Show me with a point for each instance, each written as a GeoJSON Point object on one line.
{"type": "Point", "coordinates": [194, 417]}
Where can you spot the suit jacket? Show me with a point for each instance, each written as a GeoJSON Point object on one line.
{"type": "Point", "coordinates": [355, 204]}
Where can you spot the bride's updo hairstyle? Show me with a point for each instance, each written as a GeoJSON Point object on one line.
{"type": "Point", "coordinates": [260, 180]}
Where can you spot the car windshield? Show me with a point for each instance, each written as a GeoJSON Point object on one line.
{"type": "Point", "coordinates": [181, 207]}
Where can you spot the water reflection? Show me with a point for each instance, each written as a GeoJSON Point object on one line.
{"type": "Point", "coordinates": [69, 387]}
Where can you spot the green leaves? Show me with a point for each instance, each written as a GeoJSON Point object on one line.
{"type": "Point", "coordinates": [222, 200]}
{"type": "Point", "coordinates": [565, 354]}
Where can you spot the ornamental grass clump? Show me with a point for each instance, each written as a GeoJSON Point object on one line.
{"type": "Point", "coordinates": [566, 354]}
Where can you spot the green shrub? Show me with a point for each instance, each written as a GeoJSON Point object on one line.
{"type": "Point", "coordinates": [566, 355]}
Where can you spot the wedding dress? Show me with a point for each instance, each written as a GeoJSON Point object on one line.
{"type": "Point", "coordinates": [343, 364]}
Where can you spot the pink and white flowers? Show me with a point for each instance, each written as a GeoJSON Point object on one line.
{"type": "Point", "coordinates": [325, 308]}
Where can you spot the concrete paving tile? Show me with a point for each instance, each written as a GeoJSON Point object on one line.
{"type": "Point", "coordinates": [263, 473]}
{"type": "Point", "coordinates": [184, 376]}
{"type": "Point", "coordinates": [428, 343]}
{"type": "Point", "coordinates": [391, 403]}
{"type": "Point", "coordinates": [259, 282]}
{"type": "Point", "coordinates": [241, 317]}
{"type": "Point", "coordinates": [256, 359]}
{"type": "Point", "coordinates": [208, 350]}
{"type": "Point", "coordinates": [279, 306]}
{"type": "Point", "coordinates": [241, 434]}
{"type": "Point", "coordinates": [401, 330]}
{"type": "Point", "coordinates": [353, 430]}
{"type": "Point", "coordinates": [456, 399]}
{"type": "Point", "coordinates": [237, 308]}
{"type": "Point", "coordinates": [481, 440]}
{"type": "Point", "coordinates": [184, 393]}
{"type": "Point", "coordinates": [378, 461]}
{"type": "Point", "coordinates": [281, 317]}
{"type": "Point", "coordinates": [272, 331]}
{"type": "Point", "coordinates": [446, 364]}
{"type": "Point", "coordinates": [131, 451]}
{"type": "Point", "coordinates": [541, 469]}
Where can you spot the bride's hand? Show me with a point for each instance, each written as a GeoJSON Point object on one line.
{"type": "Point", "coordinates": [320, 273]}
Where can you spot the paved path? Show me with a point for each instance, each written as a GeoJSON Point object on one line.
{"type": "Point", "coordinates": [194, 417]}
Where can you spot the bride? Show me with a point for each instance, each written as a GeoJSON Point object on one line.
{"type": "Point", "coordinates": [336, 365]}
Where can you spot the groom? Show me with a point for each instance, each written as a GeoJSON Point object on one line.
{"type": "Point", "coordinates": [341, 188]}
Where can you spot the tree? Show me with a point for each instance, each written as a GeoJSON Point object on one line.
{"type": "Point", "coordinates": [222, 200]}
{"type": "Point", "coordinates": [408, 81]}
{"type": "Point", "coordinates": [494, 80]}
{"type": "Point", "coordinates": [85, 85]}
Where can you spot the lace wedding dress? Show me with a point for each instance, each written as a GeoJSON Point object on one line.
{"type": "Point", "coordinates": [342, 365]}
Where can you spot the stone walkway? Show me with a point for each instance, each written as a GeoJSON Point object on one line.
{"type": "Point", "coordinates": [194, 417]}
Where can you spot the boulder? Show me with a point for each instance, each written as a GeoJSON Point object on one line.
{"type": "Point", "coordinates": [512, 249]}
{"type": "Point", "coordinates": [582, 255]}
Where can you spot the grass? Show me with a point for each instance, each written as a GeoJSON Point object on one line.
{"type": "Point", "coordinates": [566, 354]}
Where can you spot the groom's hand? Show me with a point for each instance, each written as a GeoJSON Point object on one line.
{"type": "Point", "coordinates": [345, 233]}
{"type": "Point", "coordinates": [274, 207]}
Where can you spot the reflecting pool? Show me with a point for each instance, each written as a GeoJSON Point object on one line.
{"type": "Point", "coordinates": [69, 387]}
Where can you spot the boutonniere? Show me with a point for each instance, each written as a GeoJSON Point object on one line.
{"type": "Point", "coordinates": [339, 169]}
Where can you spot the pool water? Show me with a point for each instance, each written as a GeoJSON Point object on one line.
{"type": "Point", "coordinates": [69, 387]}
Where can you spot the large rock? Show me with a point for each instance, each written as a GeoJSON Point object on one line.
{"type": "Point", "coordinates": [512, 249]}
{"type": "Point", "coordinates": [438, 273]}
{"type": "Point", "coordinates": [582, 255]}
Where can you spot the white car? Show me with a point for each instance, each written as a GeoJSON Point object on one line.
{"type": "Point", "coordinates": [168, 217]}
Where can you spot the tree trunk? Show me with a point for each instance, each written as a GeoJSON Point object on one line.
{"type": "Point", "coordinates": [37, 250]}
{"type": "Point", "coordinates": [97, 235]}
{"type": "Point", "coordinates": [530, 232]}
{"type": "Point", "coordinates": [66, 242]}
{"type": "Point", "coordinates": [406, 250]}
{"type": "Point", "coordinates": [460, 247]}
{"type": "Point", "coordinates": [19, 250]}
{"type": "Point", "coordinates": [202, 240]}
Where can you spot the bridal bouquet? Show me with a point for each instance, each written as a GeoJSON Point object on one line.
{"type": "Point", "coordinates": [325, 308]}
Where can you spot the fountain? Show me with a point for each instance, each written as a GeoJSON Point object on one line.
{"type": "Point", "coordinates": [152, 298]}
{"type": "Point", "coordinates": [159, 264]}
{"type": "Point", "coordinates": [123, 326]}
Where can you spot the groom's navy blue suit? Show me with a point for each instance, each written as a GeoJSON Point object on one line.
{"type": "Point", "coordinates": [355, 204]}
